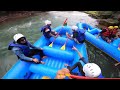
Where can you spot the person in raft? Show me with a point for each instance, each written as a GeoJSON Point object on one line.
{"type": "Point", "coordinates": [78, 35]}
{"type": "Point", "coordinates": [47, 32]}
{"type": "Point", "coordinates": [91, 70]}
{"type": "Point", "coordinates": [26, 51]}
{"type": "Point", "coordinates": [108, 34]}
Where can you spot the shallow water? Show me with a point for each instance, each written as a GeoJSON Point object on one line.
{"type": "Point", "coordinates": [30, 28]}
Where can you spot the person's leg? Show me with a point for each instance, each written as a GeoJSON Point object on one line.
{"type": "Point", "coordinates": [37, 51]}
{"type": "Point", "coordinates": [80, 67]}
{"type": "Point", "coordinates": [71, 68]}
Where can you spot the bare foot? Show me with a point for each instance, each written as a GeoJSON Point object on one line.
{"type": "Point", "coordinates": [44, 57]}
{"type": "Point", "coordinates": [42, 62]}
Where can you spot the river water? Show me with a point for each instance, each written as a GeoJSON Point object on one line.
{"type": "Point", "coordinates": [30, 28]}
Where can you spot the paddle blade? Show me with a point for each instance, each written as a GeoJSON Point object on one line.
{"type": "Point", "coordinates": [88, 30]}
{"type": "Point", "coordinates": [51, 44]}
{"type": "Point", "coordinates": [63, 47]}
{"type": "Point", "coordinates": [65, 22]}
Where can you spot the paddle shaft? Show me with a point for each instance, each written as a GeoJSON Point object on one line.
{"type": "Point", "coordinates": [60, 29]}
{"type": "Point", "coordinates": [66, 41]}
{"type": "Point", "coordinates": [65, 21]}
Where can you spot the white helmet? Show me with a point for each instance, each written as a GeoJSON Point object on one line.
{"type": "Point", "coordinates": [47, 22]}
{"type": "Point", "coordinates": [91, 70]}
{"type": "Point", "coordinates": [17, 36]}
{"type": "Point", "coordinates": [74, 28]}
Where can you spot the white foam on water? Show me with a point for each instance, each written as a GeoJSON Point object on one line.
{"type": "Point", "coordinates": [75, 17]}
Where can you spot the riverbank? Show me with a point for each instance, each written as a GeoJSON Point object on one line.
{"type": "Point", "coordinates": [106, 18]}
{"type": "Point", "coordinates": [15, 15]}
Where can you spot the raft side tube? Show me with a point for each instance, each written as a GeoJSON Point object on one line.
{"type": "Point", "coordinates": [19, 71]}
{"type": "Point", "coordinates": [43, 70]}
{"type": "Point", "coordinates": [61, 41]}
{"type": "Point", "coordinates": [58, 53]}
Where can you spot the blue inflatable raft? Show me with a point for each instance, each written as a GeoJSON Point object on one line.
{"type": "Point", "coordinates": [56, 58]}
{"type": "Point", "coordinates": [110, 49]}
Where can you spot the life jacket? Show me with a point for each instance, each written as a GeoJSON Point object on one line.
{"type": "Point", "coordinates": [46, 34]}
{"type": "Point", "coordinates": [25, 48]}
{"type": "Point", "coordinates": [107, 33]}
{"type": "Point", "coordinates": [81, 35]}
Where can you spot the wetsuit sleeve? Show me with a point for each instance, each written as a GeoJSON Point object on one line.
{"type": "Point", "coordinates": [19, 53]}
{"type": "Point", "coordinates": [83, 59]}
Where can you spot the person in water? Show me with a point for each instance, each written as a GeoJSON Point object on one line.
{"type": "Point", "coordinates": [26, 51]}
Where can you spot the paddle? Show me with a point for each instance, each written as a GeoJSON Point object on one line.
{"type": "Point", "coordinates": [55, 38]}
{"type": "Point", "coordinates": [64, 24]}
{"type": "Point", "coordinates": [63, 47]}
{"type": "Point", "coordinates": [117, 63]}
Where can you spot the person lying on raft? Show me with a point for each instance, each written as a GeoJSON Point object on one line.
{"type": "Point", "coordinates": [78, 35]}
{"type": "Point", "coordinates": [26, 51]}
{"type": "Point", "coordinates": [89, 69]}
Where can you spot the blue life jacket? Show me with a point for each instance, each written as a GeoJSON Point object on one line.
{"type": "Point", "coordinates": [81, 35]}
{"type": "Point", "coordinates": [25, 48]}
{"type": "Point", "coordinates": [46, 34]}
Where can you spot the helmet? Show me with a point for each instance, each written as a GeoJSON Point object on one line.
{"type": "Point", "coordinates": [110, 27]}
{"type": "Point", "coordinates": [17, 36]}
{"type": "Point", "coordinates": [115, 26]}
{"type": "Point", "coordinates": [91, 70]}
{"type": "Point", "coordinates": [47, 22]}
{"type": "Point", "coordinates": [74, 28]}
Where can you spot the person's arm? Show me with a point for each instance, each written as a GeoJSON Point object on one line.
{"type": "Point", "coordinates": [76, 40]}
{"type": "Point", "coordinates": [19, 53]}
{"type": "Point", "coordinates": [80, 55]}
{"type": "Point", "coordinates": [69, 36]}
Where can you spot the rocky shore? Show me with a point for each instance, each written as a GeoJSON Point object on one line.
{"type": "Point", "coordinates": [106, 18]}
